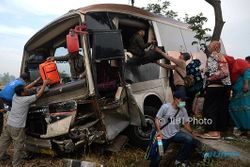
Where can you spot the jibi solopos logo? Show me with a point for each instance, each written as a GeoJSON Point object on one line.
{"type": "Point", "coordinates": [192, 120]}
{"type": "Point", "coordinates": [218, 154]}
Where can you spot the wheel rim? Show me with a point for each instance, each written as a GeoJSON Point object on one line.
{"type": "Point", "coordinates": [144, 132]}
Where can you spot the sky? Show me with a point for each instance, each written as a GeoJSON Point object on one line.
{"type": "Point", "coordinates": [20, 19]}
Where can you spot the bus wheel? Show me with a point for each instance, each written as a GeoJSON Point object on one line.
{"type": "Point", "coordinates": [138, 135]}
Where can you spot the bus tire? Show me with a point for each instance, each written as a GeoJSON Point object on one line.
{"type": "Point", "coordinates": [139, 136]}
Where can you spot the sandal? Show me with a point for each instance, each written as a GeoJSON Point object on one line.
{"type": "Point", "coordinates": [208, 136]}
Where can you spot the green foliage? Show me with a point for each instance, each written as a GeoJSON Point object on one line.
{"type": "Point", "coordinates": [196, 24]}
{"type": "Point", "coordinates": [161, 9]}
{"type": "Point", "coordinates": [6, 78]}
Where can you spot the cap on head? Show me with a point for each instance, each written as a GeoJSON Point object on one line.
{"type": "Point", "coordinates": [180, 95]}
{"type": "Point", "coordinates": [186, 56]}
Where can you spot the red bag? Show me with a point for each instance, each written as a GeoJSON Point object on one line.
{"type": "Point", "coordinates": [48, 70]}
{"type": "Point", "coordinates": [72, 42]}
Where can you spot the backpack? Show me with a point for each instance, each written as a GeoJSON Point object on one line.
{"type": "Point", "coordinates": [48, 70]}
{"type": "Point", "coordinates": [188, 79]}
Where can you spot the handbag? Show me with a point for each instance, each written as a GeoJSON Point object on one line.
{"type": "Point", "coordinates": [152, 149]}
{"type": "Point", "coordinates": [188, 79]}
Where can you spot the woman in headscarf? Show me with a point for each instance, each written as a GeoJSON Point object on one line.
{"type": "Point", "coordinates": [216, 97]}
{"type": "Point", "coordinates": [239, 107]}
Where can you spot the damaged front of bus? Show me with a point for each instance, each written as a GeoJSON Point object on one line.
{"type": "Point", "coordinates": [95, 107]}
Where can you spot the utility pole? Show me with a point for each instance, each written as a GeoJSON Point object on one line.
{"type": "Point", "coordinates": [132, 2]}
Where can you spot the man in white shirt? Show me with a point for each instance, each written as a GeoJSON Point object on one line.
{"type": "Point", "coordinates": [176, 114]}
{"type": "Point", "coordinates": [14, 130]}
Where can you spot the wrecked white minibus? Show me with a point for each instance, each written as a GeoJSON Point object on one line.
{"type": "Point", "coordinates": [113, 96]}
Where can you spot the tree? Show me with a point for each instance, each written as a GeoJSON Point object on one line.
{"type": "Point", "coordinates": [216, 4]}
{"type": "Point", "coordinates": [219, 23]}
{"type": "Point", "coordinates": [6, 78]}
{"type": "Point", "coordinates": [196, 24]}
{"type": "Point", "coordinates": [161, 9]}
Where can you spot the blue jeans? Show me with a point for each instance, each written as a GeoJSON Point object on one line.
{"type": "Point", "coordinates": [180, 137]}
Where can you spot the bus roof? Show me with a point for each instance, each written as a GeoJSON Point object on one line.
{"type": "Point", "coordinates": [116, 8]}
{"type": "Point", "coordinates": [126, 9]}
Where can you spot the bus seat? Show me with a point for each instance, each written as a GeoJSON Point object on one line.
{"type": "Point", "coordinates": [106, 77]}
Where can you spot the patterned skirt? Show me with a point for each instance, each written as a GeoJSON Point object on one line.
{"type": "Point", "coordinates": [239, 107]}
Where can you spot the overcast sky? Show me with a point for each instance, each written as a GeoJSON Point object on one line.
{"type": "Point", "coordinates": [20, 19]}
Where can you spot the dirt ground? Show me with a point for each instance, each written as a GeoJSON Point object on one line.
{"type": "Point", "coordinates": [127, 157]}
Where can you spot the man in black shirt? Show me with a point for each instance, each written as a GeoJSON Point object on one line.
{"type": "Point", "coordinates": [137, 44]}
